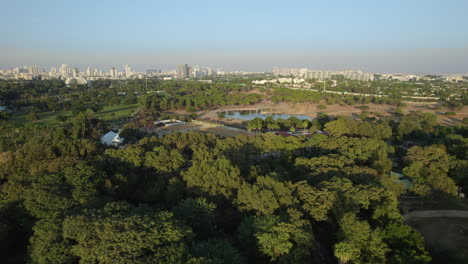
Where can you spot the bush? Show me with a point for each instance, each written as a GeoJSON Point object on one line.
{"type": "Point", "coordinates": [4, 115]}
{"type": "Point", "coordinates": [399, 111]}
{"type": "Point", "coordinates": [450, 113]}
{"type": "Point", "coordinates": [465, 120]}
{"type": "Point", "coordinates": [364, 115]}
{"type": "Point", "coordinates": [61, 118]}
{"type": "Point", "coordinates": [321, 106]}
{"type": "Point", "coordinates": [221, 115]}
{"type": "Point", "coordinates": [32, 116]}
{"type": "Point", "coordinates": [363, 107]}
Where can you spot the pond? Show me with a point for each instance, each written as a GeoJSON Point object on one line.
{"type": "Point", "coordinates": [251, 114]}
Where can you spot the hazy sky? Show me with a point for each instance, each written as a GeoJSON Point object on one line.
{"type": "Point", "coordinates": [379, 36]}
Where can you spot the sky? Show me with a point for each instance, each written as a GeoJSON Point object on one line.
{"type": "Point", "coordinates": [410, 36]}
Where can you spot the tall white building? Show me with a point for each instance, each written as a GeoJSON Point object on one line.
{"type": "Point", "coordinates": [65, 70]}
{"type": "Point", "coordinates": [75, 73]}
{"type": "Point", "coordinates": [113, 72]}
{"type": "Point", "coordinates": [196, 71]}
{"type": "Point", "coordinates": [128, 71]}
{"type": "Point", "coordinates": [33, 69]}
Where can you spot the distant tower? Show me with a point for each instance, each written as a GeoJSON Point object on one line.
{"type": "Point", "coordinates": [183, 71]}
{"type": "Point", "coordinates": [76, 72]}
{"type": "Point", "coordinates": [196, 71]}
{"type": "Point", "coordinates": [113, 72]}
{"type": "Point", "coordinates": [65, 70]}
{"type": "Point", "coordinates": [128, 71]}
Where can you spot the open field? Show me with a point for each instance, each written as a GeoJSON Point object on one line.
{"type": "Point", "coordinates": [182, 128]}
{"type": "Point", "coordinates": [224, 132]}
{"type": "Point", "coordinates": [219, 131]}
{"type": "Point", "coordinates": [49, 118]}
{"type": "Point", "coordinates": [311, 110]}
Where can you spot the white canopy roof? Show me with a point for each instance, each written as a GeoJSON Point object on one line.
{"type": "Point", "coordinates": [111, 138]}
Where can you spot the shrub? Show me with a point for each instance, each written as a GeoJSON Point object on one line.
{"type": "Point", "coordinates": [399, 111]}
{"type": "Point", "coordinates": [321, 106]}
{"type": "Point", "coordinates": [450, 113]}
{"type": "Point", "coordinates": [364, 115]}
{"type": "Point", "coordinates": [221, 115]}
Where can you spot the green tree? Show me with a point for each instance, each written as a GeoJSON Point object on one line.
{"type": "Point", "coordinates": [120, 233]}
{"type": "Point", "coordinates": [277, 239]}
{"type": "Point", "coordinates": [217, 177]}
{"type": "Point", "coordinates": [336, 128]}
{"type": "Point", "coordinates": [428, 168]}
{"type": "Point", "coordinates": [61, 118]}
{"type": "Point", "coordinates": [130, 99]}
{"type": "Point", "coordinates": [317, 202]}
{"type": "Point", "coordinates": [217, 250]}
{"type": "Point", "coordinates": [221, 115]}
{"type": "Point", "coordinates": [85, 126]}
{"type": "Point", "coordinates": [197, 213]}
{"type": "Point", "coordinates": [4, 115]}
{"type": "Point", "coordinates": [359, 242]}
{"type": "Point", "coordinates": [164, 159]}
{"type": "Point", "coordinates": [265, 196]}
{"type": "Point", "coordinates": [32, 116]}
{"type": "Point", "coordinates": [96, 108]}
{"type": "Point", "coordinates": [47, 245]}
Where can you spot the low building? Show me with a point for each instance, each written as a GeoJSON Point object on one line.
{"type": "Point", "coordinates": [112, 139]}
{"type": "Point", "coordinates": [169, 122]}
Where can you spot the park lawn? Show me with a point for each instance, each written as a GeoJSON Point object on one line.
{"type": "Point", "coordinates": [49, 118]}
{"type": "Point", "coordinates": [116, 112]}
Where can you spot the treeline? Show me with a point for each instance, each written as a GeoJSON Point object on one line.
{"type": "Point", "coordinates": [304, 96]}
{"type": "Point", "coordinates": [197, 198]}
{"type": "Point", "coordinates": [202, 100]}
{"type": "Point", "coordinates": [55, 96]}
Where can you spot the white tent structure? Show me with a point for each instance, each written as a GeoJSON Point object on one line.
{"type": "Point", "coordinates": [112, 138]}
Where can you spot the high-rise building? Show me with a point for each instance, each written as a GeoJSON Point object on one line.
{"type": "Point", "coordinates": [65, 70]}
{"type": "Point", "coordinates": [75, 73]}
{"type": "Point", "coordinates": [183, 71]}
{"type": "Point", "coordinates": [113, 72]}
{"type": "Point", "coordinates": [128, 71]}
{"type": "Point", "coordinates": [52, 72]}
{"type": "Point", "coordinates": [195, 71]}
{"type": "Point", "coordinates": [33, 69]}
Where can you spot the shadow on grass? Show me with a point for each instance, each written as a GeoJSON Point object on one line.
{"type": "Point", "coordinates": [117, 110]}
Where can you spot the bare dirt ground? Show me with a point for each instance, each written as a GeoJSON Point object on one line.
{"type": "Point", "coordinates": [311, 110]}
{"type": "Point", "coordinates": [442, 234]}
{"type": "Point", "coordinates": [220, 131]}
{"type": "Point", "coordinates": [181, 128]}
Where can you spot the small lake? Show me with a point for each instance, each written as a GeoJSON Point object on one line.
{"type": "Point", "coordinates": [251, 114]}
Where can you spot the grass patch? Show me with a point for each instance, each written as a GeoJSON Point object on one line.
{"type": "Point", "coordinates": [50, 118]}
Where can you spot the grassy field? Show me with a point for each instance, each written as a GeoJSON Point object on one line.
{"type": "Point", "coordinates": [49, 118]}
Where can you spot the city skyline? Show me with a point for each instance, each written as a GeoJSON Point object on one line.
{"type": "Point", "coordinates": [411, 37]}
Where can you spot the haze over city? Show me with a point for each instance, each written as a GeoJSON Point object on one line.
{"type": "Point", "coordinates": [233, 132]}
{"type": "Point", "coordinates": [402, 36]}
